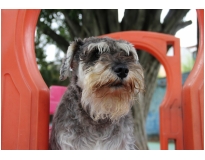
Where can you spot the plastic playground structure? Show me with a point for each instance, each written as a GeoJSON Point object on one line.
{"type": "Point", "coordinates": [25, 96]}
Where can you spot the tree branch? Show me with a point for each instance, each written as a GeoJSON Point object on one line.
{"type": "Point", "coordinates": [133, 19]}
{"type": "Point", "coordinates": [130, 16]}
{"type": "Point", "coordinates": [139, 23]}
{"type": "Point", "coordinates": [90, 22]}
{"type": "Point", "coordinates": [101, 18]}
{"type": "Point", "coordinates": [59, 40]}
{"type": "Point", "coordinates": [173, 17]}
{"type": "Point", "coordinates": [155, 25]}
{"type": "Point", "coordinates": [74, 27]}
{"type": "Point", "coordinates": [112, 19]}
{"type": "Point", "coordinates": [180, 26]}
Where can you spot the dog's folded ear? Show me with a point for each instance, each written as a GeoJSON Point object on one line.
{"type": "Point", "coordinates": [67, 61]}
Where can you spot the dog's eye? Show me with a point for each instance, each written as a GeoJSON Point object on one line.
{"type": "Point", "coordinates": [130, 53]}
{"type": "Point", "coordinates": [94, 55]}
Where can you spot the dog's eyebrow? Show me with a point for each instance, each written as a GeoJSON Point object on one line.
{"type": "Point", "coordinates": [101, 46]}
{"type": "Point", "coordinates": [127, 47]}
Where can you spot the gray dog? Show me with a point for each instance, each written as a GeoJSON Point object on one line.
{"type": "Point", "coordinates": [94, 112]}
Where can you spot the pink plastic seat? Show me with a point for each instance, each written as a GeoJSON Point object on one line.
{"type": "Point", "coordinates": [56, 93]}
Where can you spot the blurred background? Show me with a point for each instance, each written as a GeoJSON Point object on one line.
{"type": "Point", "coordinates": [56, 28]}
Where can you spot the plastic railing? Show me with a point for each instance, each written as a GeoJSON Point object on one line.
{"type": "Point", "coordinates": [193, 97]}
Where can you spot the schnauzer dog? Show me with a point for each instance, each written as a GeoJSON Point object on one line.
{"type": "Point", "coordinates": [95, 111]}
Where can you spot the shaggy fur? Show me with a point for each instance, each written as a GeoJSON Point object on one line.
{"type": "Point", "coordinates": [94, 112]}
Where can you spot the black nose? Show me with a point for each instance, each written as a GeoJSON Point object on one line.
{"type": "Point", "coordinates": [121, 70]}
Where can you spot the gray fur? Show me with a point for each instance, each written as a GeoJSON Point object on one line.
{"type": "Point", "coordinates": [73, 128]}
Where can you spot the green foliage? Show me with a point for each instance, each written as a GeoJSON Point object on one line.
{"type": "Point", "coordinates": [187, 67]}
{"type": "Point", "coordinates": [53, 20]}
{"type": "Point", "coordinates": [49, 70]}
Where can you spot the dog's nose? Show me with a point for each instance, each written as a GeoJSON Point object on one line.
{"type": "Point", "coordinates": [121, 70]}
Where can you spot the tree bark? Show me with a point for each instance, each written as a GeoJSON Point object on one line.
{"type": "Point", "coordinates": [90, 22]}
{"type": "Point", "coordinates": [112, 19]}
{"type": "Point", "coordinates": [102, 20]}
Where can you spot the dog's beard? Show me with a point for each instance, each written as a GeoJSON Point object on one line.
{"type": "Point", "coordinates": [104, 95]}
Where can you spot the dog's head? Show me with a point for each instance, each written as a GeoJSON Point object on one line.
{"type": "Point", "coordinates": [109, 74]}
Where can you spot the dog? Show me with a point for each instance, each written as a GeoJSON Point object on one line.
{"type": "Point", "coordinates": [95, 111]}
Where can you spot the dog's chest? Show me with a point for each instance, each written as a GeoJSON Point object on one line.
{"type": "Point", "coordinates": [108, 138]}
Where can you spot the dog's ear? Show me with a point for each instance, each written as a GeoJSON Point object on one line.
{"type": "Point", "coordinates": [67, 61]}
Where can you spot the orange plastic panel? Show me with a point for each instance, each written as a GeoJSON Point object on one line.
{"type": "Point", "coordinates": [193, 97]}
{"type": "Point", "coordinates": [170, 109]}
{"type": "Point", "coordinates": [25, 96]}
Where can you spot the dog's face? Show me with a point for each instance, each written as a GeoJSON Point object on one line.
{"type": "Point", "coordinates": [109, 74]}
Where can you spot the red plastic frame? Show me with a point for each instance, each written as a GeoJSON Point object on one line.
{"type": "Point", "coordinates": [25, 96]}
